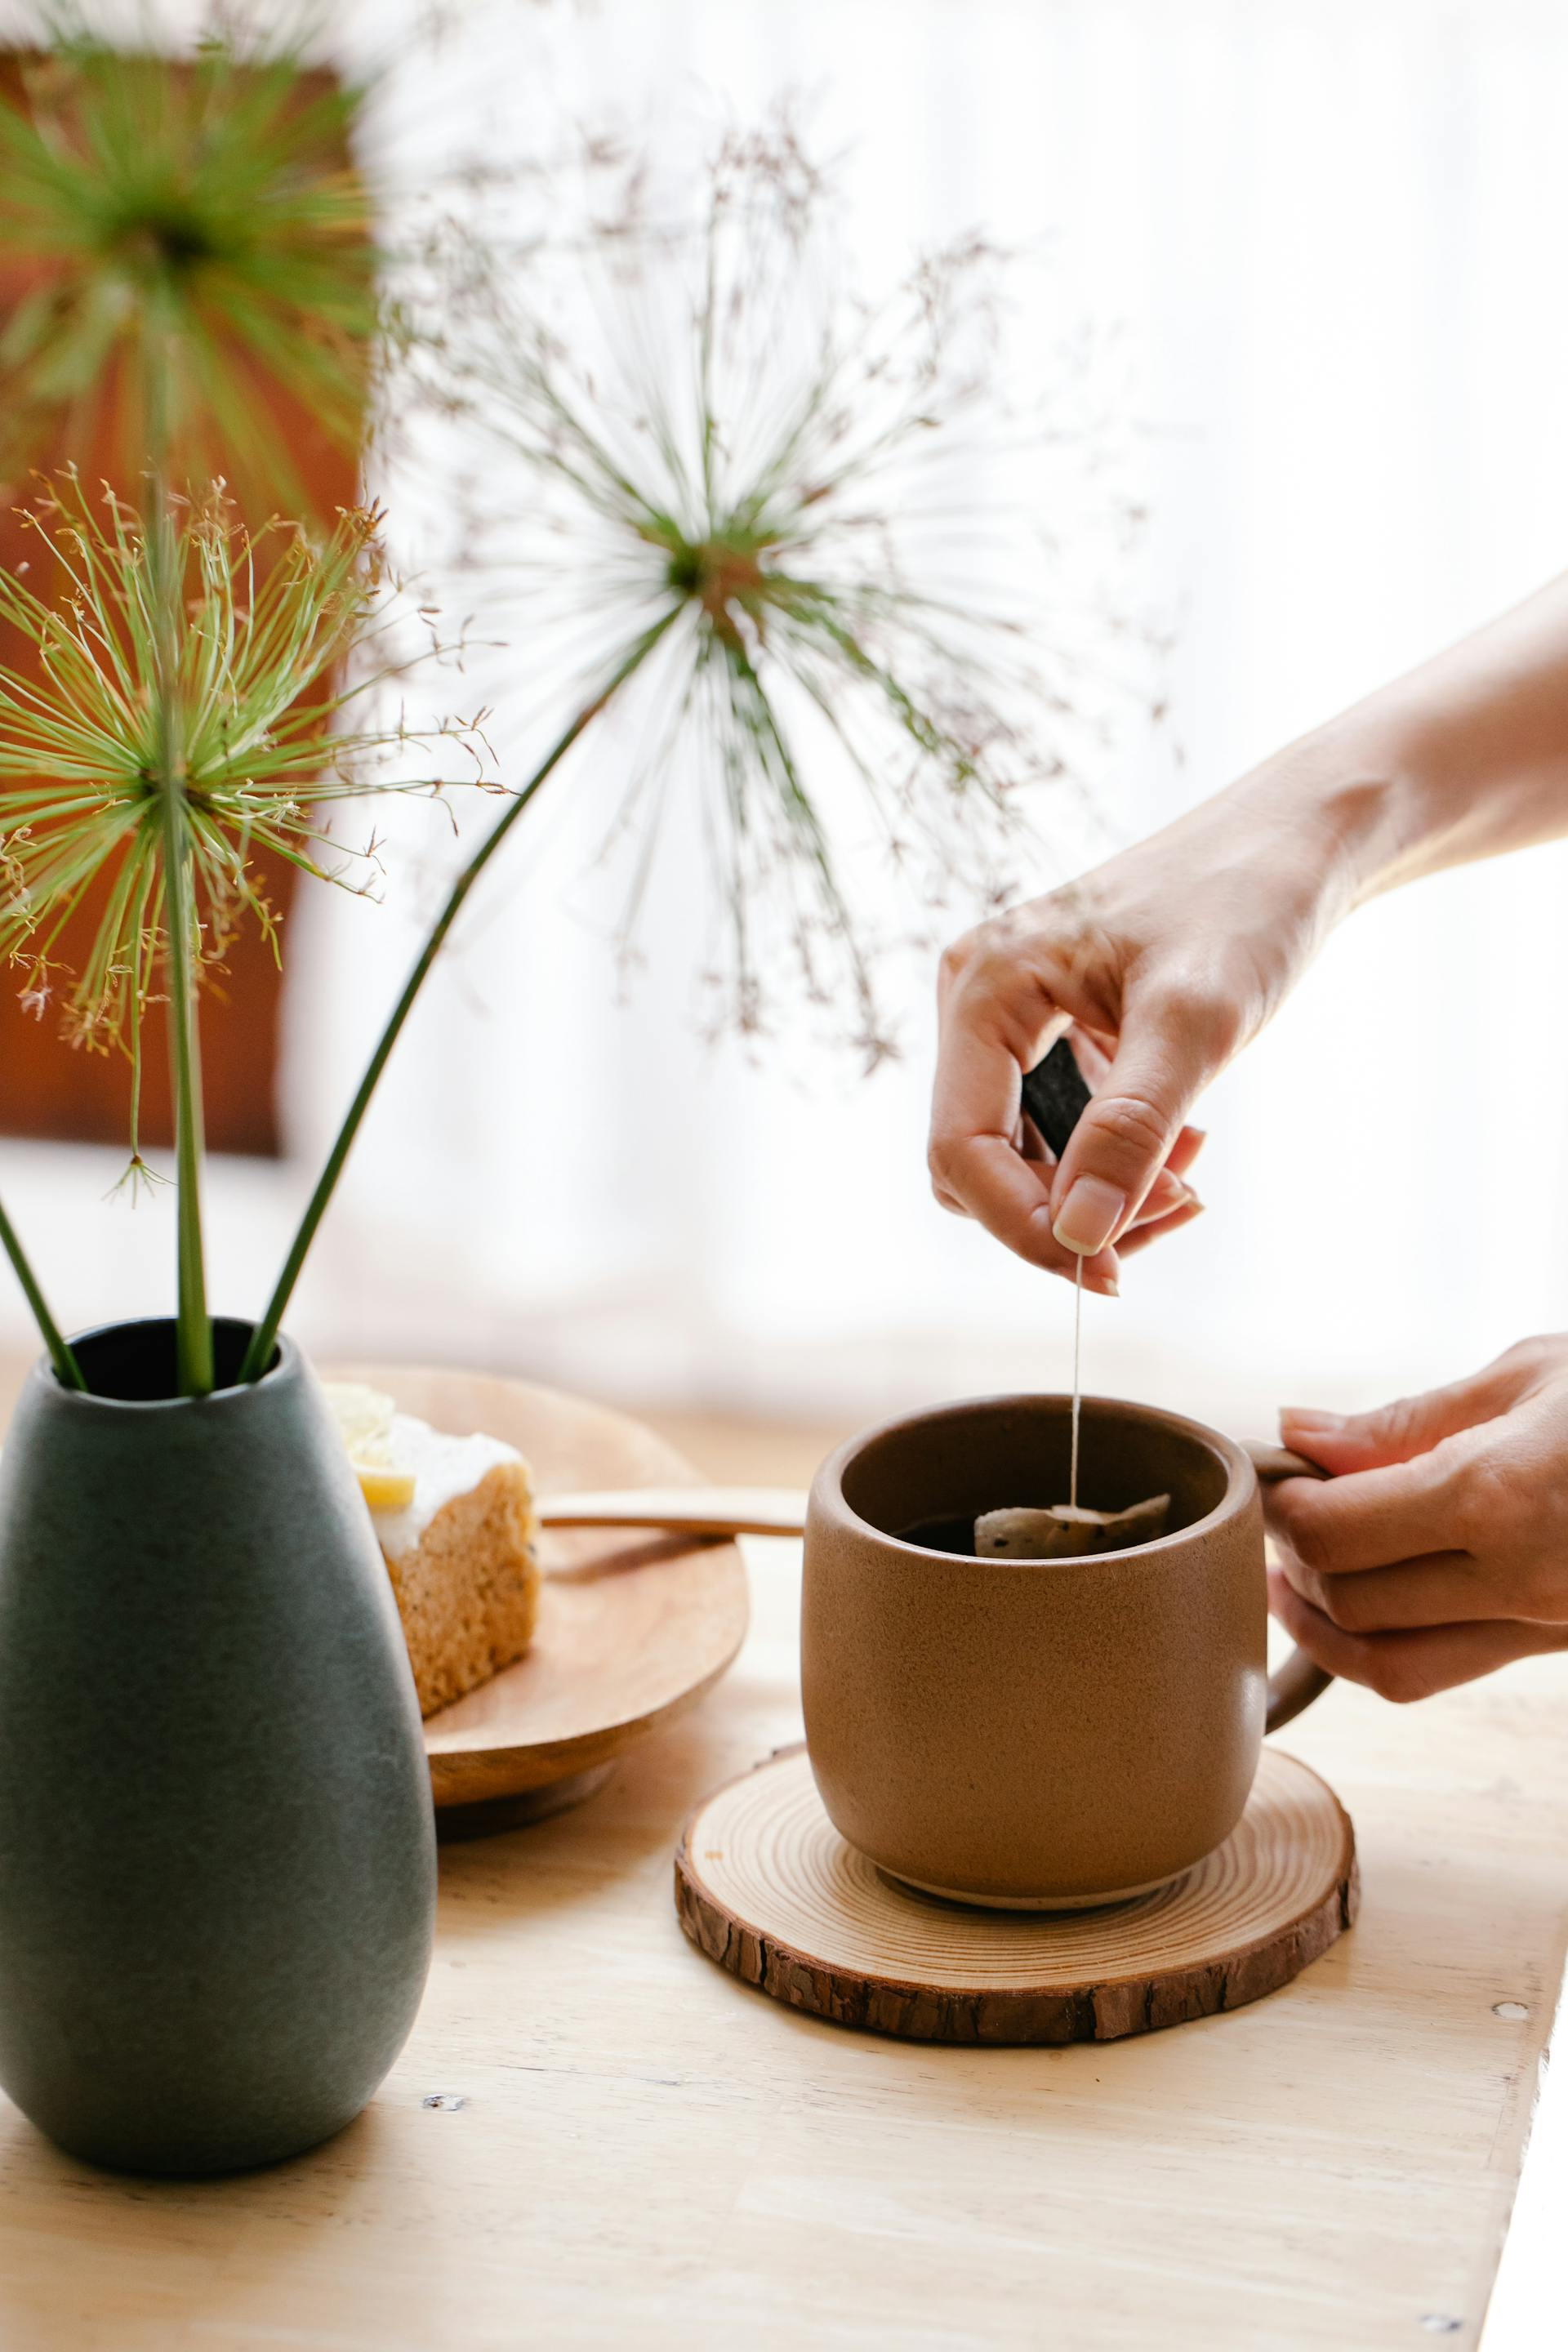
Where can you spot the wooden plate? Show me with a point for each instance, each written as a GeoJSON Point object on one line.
{"type": "Point", "coordinates": [765, 1885]}
{"type": "Point", "coordinates": [632, 1628]}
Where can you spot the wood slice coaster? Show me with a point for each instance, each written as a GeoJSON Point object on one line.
{"type": "Point", "coordinates": [765, 1885]}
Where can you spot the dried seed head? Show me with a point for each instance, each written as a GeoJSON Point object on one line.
{"type": "Point", "coordinates": [816, 511]}
{"type": "Point", "coordinates": [215, 688]}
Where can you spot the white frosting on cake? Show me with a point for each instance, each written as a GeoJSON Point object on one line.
{"type": "Point", "coordinates": [444, 1467]}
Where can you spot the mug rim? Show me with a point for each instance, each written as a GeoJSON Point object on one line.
{"type": "Point", "coordinates": [827, 1486]}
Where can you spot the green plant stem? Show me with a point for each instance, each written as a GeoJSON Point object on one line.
{"type": "Point", "coordinates": [194, 1337]}
{"type": "Point", "coordinates": [264, 1339]}
{"type": "Point", "coordinates": [193, 1327]}
{"type": "Point", "coordinates": [67, 1369]}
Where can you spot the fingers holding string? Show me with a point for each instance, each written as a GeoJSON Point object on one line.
{"type": "Point", "coordinates": [977, 1157]}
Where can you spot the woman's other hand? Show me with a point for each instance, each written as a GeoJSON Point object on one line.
{"type": "Point", "coordinates": [1439, 1548]}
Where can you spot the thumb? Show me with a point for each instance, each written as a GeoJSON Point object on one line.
{"type": "Point", "coordinates": [1119, 1144]}
{"type": "Point", "coordinates": [1395, 1432]}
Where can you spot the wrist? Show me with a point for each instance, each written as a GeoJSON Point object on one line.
{"type": "Point", "coordinates": [1352, 806]}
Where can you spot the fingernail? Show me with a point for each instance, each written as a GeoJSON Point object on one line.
{"type": "Point", "coordinates": [1090, 1215]}
{"type": "Point", "coordinates": [1297, 1417]}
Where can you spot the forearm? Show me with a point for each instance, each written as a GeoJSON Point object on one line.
{"type": "Point", "coordinates": [1465, 757]}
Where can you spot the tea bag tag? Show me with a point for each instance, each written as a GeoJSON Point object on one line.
{"type": "Point", "coordinates": [1064, 1533]}
{"type": "Point", "coordinates": [1056, 1097]}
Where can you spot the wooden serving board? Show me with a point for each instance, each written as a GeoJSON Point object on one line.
{"type": "Point", "coordinates": [632, 1628]}
{"type": "Point", "coordinates": [767, 1888]}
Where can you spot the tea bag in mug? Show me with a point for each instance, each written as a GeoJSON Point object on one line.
{"type": "Point", "coordinates": [1065, 1532]}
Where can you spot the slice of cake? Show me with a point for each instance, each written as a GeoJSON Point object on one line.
{"type": "Point", "coordinates": [455, 1519]}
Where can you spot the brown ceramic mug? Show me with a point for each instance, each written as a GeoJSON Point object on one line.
{"type": "Point", "coordinates": [1039, 1732]}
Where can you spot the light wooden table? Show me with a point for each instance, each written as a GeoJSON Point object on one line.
{"type": "Point", "coordinates": [631, 2149]}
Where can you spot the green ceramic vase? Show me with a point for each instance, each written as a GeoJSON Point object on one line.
{"type": "Point", "coordinates": [217, 1859]}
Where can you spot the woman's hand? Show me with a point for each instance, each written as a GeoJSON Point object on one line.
{"type": "Point", "coordinates": [1163, 963]}
{"type": "Point", "coordinates": [1439, 1548]}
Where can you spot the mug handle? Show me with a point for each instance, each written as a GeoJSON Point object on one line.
{"type": "Point", "coordinates": [1301, 1679]}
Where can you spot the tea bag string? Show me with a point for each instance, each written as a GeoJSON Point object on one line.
{"type": "Point", "coordinates": [1077, 1381]}
{"type": "Point", "coordinates": [1055, 1094]}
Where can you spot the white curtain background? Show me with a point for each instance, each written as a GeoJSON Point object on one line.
{"type": "Point", "coordinates": [1331, 233]}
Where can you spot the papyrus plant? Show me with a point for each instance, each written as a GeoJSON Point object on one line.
{"type": "Point", "coordinates": [192, 230]}
{"type": "Point", "coordinates": [190, 706]}
{"type": "Point", "coordinates": [850, 579]}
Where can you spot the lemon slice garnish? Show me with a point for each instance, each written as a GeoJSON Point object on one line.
{"type": "Point", "coordinates": [363, 1417]}
{"type": "Point", "coordinates": [385, 1489]}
